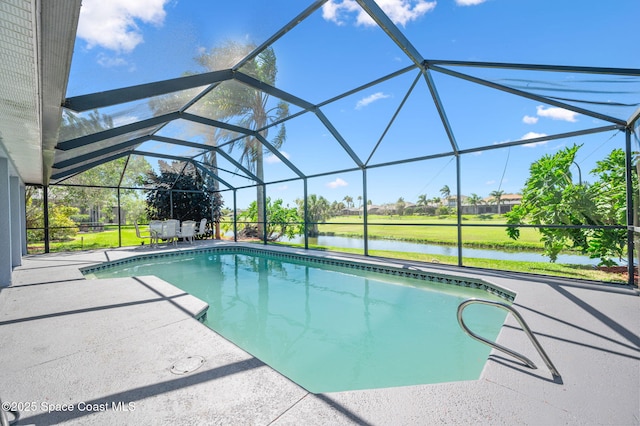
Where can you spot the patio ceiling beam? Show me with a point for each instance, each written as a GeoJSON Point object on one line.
{"type": "Point", "coordinates": [267, 88]}
{"type": "Point", "coordinates": [339, 138]}
{"type": "Point", "coordinates": [566, 135]}
{"type": "Point", "coordinates": [391, 29]}
{"type": "Point", "coordinates": [368, 85]}
{"type": "Point", "coordinates": [80, 158]}
{"type": "Point", "coordinates": [285, 29]}
{"type": "Point", "coordinates": [538, 67]}
{"type": "Point", "coordinates": [213, 175]}
{"type": "Point", "coordinates": [184, 160]}
{"type": "Point", "coordinates": [143, 91]}
{"type": "Point", "coordinates": [215, 123]}
{"type": "Point", "coordinates": [528, 95]}
{"type": "Point", "coordinates": [395, 115]}
{"type": "Point", "coordinates": [208, 148]}
{"type": "Point", "coordinates": [634, 117]}
{"type": "Point", "coordinates": [174, 141]}
{"type": "Point", "coordinates": [64, 173]}
{"type": "Point", "coordinates": [116, 131]}
{"type": "Point", "coordinates": [277, 153]}
{"type": "Point", "coordinates": [441, 112]}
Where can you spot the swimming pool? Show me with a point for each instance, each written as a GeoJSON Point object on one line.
{"type": "Point", "coordinates": [333, 325]}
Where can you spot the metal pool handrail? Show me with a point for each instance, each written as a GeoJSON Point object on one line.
{"type": "Point", "coordinates": [526, 361]}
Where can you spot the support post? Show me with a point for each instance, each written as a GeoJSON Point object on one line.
{"type": "Point", "coordinates": [16, 229]}
{"type": "Point", "coordinates": [5, 225]}
{"type": "Point", "coordinates": [365, 214]}
{"type": "Point", "coordinates": [235, 215]}
{"type": "Point", "coordinates": [630, 229]}
{"type": "Point", "coordinates": [306, 215]}
{"type": "Point", "coordinates": [459, 209]}
{"type": "Point", "coordinates": [264, 213]}
{"type": "Point", "coordinates": [119, 221]}
{"type": "Point", "coordinates": [23, 217]}
{"type": "Point", "coordinates": [45, 206]}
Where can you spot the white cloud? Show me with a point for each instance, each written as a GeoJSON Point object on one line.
{"type": "Point", "coordinates": [469, 2]}
{"type": "Point", "coordinates": [399, 11]}
{"type": "Point", "coordinates": [557, 113]}
{"type": "Point", "coordinates": [337, 183]}
{"type": "Point", "coordinates": [490, 182]}
{"type": "Point", "coordinates": [533, 135]}
{"type": "Point", "coordinates": [527, 119]}
{"type": "Point", "coordinates": [112, 24]}
{"type": "Point", "coordinates": [272, 159]}
{"type": "Point", "coordinates": [370, 99]}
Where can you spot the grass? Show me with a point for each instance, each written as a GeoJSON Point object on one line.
{"type": "Point", "coordinates": [438, 230]}
{"type": "Point", "coordinates": [487, 237]}
{"type": "Point", "coordinates": [94, 240]}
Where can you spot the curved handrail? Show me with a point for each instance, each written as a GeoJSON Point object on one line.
{"type": "Point", "coordinates": [526, 361]}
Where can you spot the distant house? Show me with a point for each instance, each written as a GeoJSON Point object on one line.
{"type": "Point", "coordinates": [507, 202]}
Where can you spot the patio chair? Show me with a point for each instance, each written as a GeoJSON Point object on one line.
{"type": "Point", "coordinates": [202, 229]}
{"type": "Point", "coordinates": [155, 228]}
{"type": "Point", "coordinates": [139, 234]}
{"type": "Point", "coordinates": [188, 230]}
{"type": "Point", "coordinates": [170, 231]}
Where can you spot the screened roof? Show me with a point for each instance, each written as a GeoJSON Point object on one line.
{"type": "Point", "coordinates": [433, 108]}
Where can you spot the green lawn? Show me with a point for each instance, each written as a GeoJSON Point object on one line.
{"type": "Point", "coordinates": [93, 240]}
{"type": "Point", "coordinates": [440, 230]}
{"type": "Point", "coordinates": [473, 236]}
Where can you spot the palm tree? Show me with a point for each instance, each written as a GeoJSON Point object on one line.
{"type": "Point", "coordinates": [318, 210]}
{"type": "Point", "coordinates": [446, 193]}
{"type": "Point", "coordinates": [400, 204]}
{"type": "Point", "coordinates": [349, 200]}
{"type": "Point", "coordinates": [422, 202]}
{"type": "Point", "coordinates": [248, 104]}
{"type": "Point", "coordinates": [497, 196]}
{"type": "Point", "coordinates": [474, 199]}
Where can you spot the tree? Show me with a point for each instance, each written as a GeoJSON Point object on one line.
{"type": "Point", "coordinates": [400, 204]}
{"type": "Point", "coordinates": [248, 104]}
{"type": "Point", "coordinates": [446, 193]}
{"type": "Point", "coordinates": [283, 221]}
{"type": "Point", "coordinates": [609, 195]}
{"type": "Point", "coordinates": [318, 210]}
{"type": "Point", "coordinates": [422, 202]}
{"type": "Point", "coordinates": [497, 197]}
{"type": "Point", "coordinates": [550, 198]}
{"type": "Point", "coordinates": [474, 199]}
{"type": "Point", "coordinates": [181, 196]}
{"type": "Point", "coordinates": [349, 200]}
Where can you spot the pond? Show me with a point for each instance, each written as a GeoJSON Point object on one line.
{"type": "Point", "coordinates": [404, 246]}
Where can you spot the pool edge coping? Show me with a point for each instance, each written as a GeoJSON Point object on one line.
{"type": "Point", "coordinates": [409, 271]}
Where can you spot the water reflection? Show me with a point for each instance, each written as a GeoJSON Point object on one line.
{"type": "Point", "coordinates": [404, 246]}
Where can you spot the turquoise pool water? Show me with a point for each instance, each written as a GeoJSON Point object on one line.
{"type": "Point", "coordinates": [332, 328]}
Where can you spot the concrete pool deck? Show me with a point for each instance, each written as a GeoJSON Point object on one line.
{"type": "Point", "coordinates": [103, 350]}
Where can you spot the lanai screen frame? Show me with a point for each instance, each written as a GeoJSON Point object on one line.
{"type": "Point", "coordinates": [424, 69]}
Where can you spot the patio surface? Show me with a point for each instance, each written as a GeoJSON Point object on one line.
{"type": "Point", "coordinates": [104, 350]}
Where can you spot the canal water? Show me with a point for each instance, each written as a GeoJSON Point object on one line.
{"type": "Point", "coordinates": [392, 245]}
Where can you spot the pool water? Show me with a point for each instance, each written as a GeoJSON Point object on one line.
{"type": "Point", "coordinates": [332, 328]}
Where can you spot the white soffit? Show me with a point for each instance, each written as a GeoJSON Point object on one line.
{"type": "Point", "coordinates": [35, 56]}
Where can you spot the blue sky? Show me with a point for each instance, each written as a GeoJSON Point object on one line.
{"type": "Point", "coordinates": [122, 43]}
